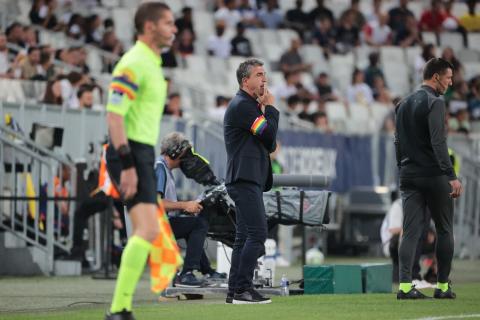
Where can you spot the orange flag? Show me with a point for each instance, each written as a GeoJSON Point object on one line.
{"type": "Point", "coordinates": [165, 258]}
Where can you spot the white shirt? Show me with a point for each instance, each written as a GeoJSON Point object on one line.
{"type": "Point", "coordinates": [360, 93]}
{"type": "Point", "coordinates": [393, 219]}
{"type": "Point", "coordinates": [230, 17]}
{"type": "Point", "coordinates": [4, 64]}
{"type": "Point", "coordinates": [220, 46]}
{"type": "Point", "coordinates": [217, 113]}
{"type": "Point", "coordinates": [379, 34]}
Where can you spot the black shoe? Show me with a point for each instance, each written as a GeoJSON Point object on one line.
{"type": "Point", "coordinates": [229, 299]}
{"type": "Point", "coordinates": [216, 276]}
{"type": "Point", "coordinates": [413, 294]}
{"type": "Point", "coordinates": [250, 296]}
{"type": "Point", "coordinates": [188, 280]}
{"type": "Point", "coordinates": [123, 315]}
{"type": "Point", "coordinates": [449, 294]}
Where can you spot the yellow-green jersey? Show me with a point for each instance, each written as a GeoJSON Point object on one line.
{"type": "Point", "coordinates": [137, 92]}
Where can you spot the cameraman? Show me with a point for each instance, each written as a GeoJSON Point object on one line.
{"type": "Point", "coordinates": [185, 217]}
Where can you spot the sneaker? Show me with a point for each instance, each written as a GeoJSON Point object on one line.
{"type": "Point", "coordinates": [250, 296]}
{"type": "Point", "coordinates": [413, 294]}
{"type": "Point", "coordinates": [449, 294]}
{"type": "Point", "coordinates": [216, 276]}
{"type": "Point", "coordinates": [188, 280]}
{"type": "Point", "coordinates": [229, 299]}
{"type": "Point", "coordinates": [122, 315]}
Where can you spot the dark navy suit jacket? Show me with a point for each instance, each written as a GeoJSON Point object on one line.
{"type": "Point", "coordinates": [250, 137]}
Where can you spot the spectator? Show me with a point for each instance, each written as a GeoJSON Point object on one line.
{"type": "Point", "coordinates": [474, 101]}
{"type": "Point", "coordinates": [228, 14]}
{"type": "Point", "coordinates": [451, 22]}
{"type": "Point", "coordinates": [271, 17]}
{"type": "Point", "coordinates": [111, 44]}
{"type": "Point", "coordinates": [53, 93]}
{"type": "Point", "coordinates": [31, 65]}
{"type": "Point", "coordinates": [431, 20]}
{"type": "Point", "coordinates": [185, 22]}
{"type": "Point", "coordinates": [218, 44]}
{"type": "Point", "coordinates": [15, 35]}
{"type": "Point", "coordinates": [43, 13]}
{"type": "Point", "coordinates": [373, 70]}
{"type": "Point", "coordinates": [108, 24]}
{"type": "Point", "coordinates": [218, 112]}
{"type": "Point", "coordinates": [409, 35]}
{"type": "Point", "coordinates": [46, 70]}
{"type": "Point", "coordinates": [173, 107]}
{"type": "Point", "coordinates": [460, 122]}
{"type": "Point", "coordinates": [248, 14]}
{"type": "Point", "coordinates": [240, 44]}
{"type": "Point", "coordinates": [292, 61]}
{"type": "Point", "coordinates": [185, 43]}
{"type": "Point", "coordinates": [378, 33]}
{"type": "Point", "coordinates": [305, 114]}
{"type": "Point", "coordinates": [297, 19]}
{"type": "Point", "coordinates": [471, 20]}
{"type": "Point", "coordinates": [324, 88]}
{"type": "Point", "coordinates": [398, 17]}
{"type": "Point", "coordinates": [449, 55]}
{"type": "Point", "coordinates": [30, 38]}
{"type": "Point", "coordinates": [289, 87]}
{"type": "Point", "coordinates": [169, 59]}
{"type": "Point", "coordinates": [69, 89]}
{"type": "Point", "coordinates": [354, 11]}
{"type": "Point", "coordinates": [293, 105]}
{"type": "Point", "coordinates": [320, 12]}
{"type": "Point", "coordinates": [81, 61]}
{"type": "Point", "coordinates": [85, 97]}
{"type": "Point", "coordinates": [347, 34]}
{"type": "Point", "coordinates": [4, 64]}
{"type": "Point", "coordinates": [75, 28]}
{"type": "Point", "coordinates": [320, 120]}
{"type": "Point", "coordinates": [324, 35]}
{"type": "Point", "coordinates": [428, 52]}
{"type": "Point", "coordinates": [92, 29]}
{"type": "Point", "coordinates": [380, 91]}
{"type": "Point", "coordinates": [377, 11]}
{"type": "Point", "coordinates": [359, 92]}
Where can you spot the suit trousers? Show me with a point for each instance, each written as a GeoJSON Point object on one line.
{"type": "Point", "coordinates": [418, 194]}
{"type": "Point", "coordinates": [251, 233]}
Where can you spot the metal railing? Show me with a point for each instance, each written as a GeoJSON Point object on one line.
{"type": "Point", "coordinates": [467, 211]}
{"type": "Point", "coordinates": [28, 201]}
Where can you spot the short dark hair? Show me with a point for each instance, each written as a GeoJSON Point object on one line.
{"type": "Point", "coordinates": [245, 68]}
{"type": "Point", "coordinates": [436, 65]}
{"type": "Point", "coordinates": [31, 49]}
{"type": "Point", "coordinates": [149, 11]}
{"type": "Point", "coordinates": [84, 88]}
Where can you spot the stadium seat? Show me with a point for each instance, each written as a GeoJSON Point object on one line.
{"type": "Point", "coordinates": [313, 54]}
{"type": "Point", "coordinates": [337, 115]}
{"type": "Point", "coordinates": [468, 55]}
{"type": "Point", "coordinates": [123, 19]}
{"type": "Point", "coordinates": [378, 112]}
{"type": "Point", "coordinates": [286, 36]}
{"type": "Point", "coordinates": [359, 120]}
{"type": "Point", "coordinates": [361, 56]}
{"type": "Point", "coordinates": [341, 68]}
{"type": "Point", "coordinates": [94, 60]}
{"type": "Point", "coordinates": [216, 69]}
{"type": "Point", "coordinates": [391, 54]}
{"type": "Point", "coordinates": [255, 40]}
{"type": "Point", "coordinates": [203, 22]}
{"type": "Point", "coordinates": [429, 37]}
{"type": "Point", "coordinates": [474, 41]}
{"type": "Point", "coordinates": [451, 39]}
{"type": "Point", "coordinates": [472, 69]}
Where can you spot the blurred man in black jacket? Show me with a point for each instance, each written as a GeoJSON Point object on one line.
{"type": "Point", "coordinates": [427, 178]}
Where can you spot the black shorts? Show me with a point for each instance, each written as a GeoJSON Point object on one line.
{"type": "Point", "coordinates": [144, 160]}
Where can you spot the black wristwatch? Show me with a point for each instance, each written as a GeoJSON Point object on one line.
{"type": "Point", "coordinates": [125, 155]}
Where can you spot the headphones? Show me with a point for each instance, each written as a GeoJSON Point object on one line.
{"type": "Point", "coordinates": [175, 151]}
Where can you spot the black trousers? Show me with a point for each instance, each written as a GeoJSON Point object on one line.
{"type": "Point", "coordinates": [194, 231]}
{"type": "Point", "coordinates": [251, 233]}
{"type": "Point", "coordinates": [418, 194]}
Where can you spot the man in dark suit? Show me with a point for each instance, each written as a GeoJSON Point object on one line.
{"type": "Point", "coordinates": [250, 129]}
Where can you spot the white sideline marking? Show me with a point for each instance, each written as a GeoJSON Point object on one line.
{"type": "Point", "coordinates": [461, 316]}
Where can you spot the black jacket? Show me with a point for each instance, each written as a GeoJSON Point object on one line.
{"type": "Point", "coordinates": [420, 137]}
{"type": "Point", "coordinates": [250, 137]}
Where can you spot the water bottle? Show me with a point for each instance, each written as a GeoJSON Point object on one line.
{"type": "Point", "coordinates": [284, 291]}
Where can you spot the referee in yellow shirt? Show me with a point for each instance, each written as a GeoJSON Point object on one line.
{"type": "Point", "coordinates": [135, 105]}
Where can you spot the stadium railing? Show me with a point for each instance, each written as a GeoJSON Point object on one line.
{"type": "Point", "coordinates": [27, 177]}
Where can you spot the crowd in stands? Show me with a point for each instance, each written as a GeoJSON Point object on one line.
{"type": "Point", "coordinates": [306, 100]}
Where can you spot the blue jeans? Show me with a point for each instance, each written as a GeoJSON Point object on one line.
{"type": "Point", "coordinates": [251, 233]}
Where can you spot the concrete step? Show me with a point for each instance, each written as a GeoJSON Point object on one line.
{"type": "Point", "coordinates": [9, 240]}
